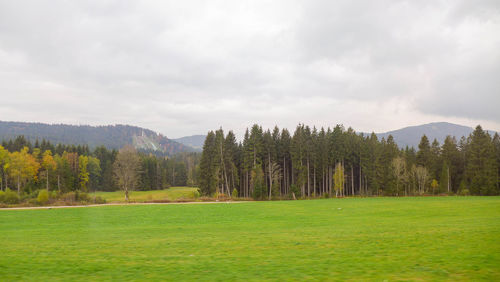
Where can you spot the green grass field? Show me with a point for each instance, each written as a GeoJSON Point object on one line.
{"type": "Point", "coordinates": [427, 238]}
{"type": "Point", "coordinates": [172, 193]}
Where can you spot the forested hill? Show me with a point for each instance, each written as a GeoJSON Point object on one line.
{"type": "Point", "coordinates": [410, 136]}
{"type": "Point", "coordinates": [110, 136]}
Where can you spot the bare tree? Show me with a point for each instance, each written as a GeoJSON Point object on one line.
{"type": "Point", "coordinates": [422, 175]}
{"type": "Point", "coordinates": [399, 169]}
{"type": "Point", "coordinates": [126, 169]}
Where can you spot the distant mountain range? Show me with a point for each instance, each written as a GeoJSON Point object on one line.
{"type": "Point", "coordinates": [110, 136]}
{"type": "Point", "coordinates": [194, 141]}
{"type": "Point", "coordinates": [408, 136]}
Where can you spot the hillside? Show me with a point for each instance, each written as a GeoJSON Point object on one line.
{"type": "Point", "coordinates": [194, 141]}
{"type": "Point", "coordinates": [410, 136]}
{"type": "Point", "coordinates": [111, 136]}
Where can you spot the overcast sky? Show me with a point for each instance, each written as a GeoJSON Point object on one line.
{"type": "Point", "coordinates": [185, 67]}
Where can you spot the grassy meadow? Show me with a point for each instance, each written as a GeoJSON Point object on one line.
{"type": "Point", "coordinates": [426, 238]}
{"type": "Point", "coordinates": [172, 193]}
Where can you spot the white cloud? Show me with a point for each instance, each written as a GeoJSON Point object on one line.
{"type": "Point", "coordinates": [183, 68]}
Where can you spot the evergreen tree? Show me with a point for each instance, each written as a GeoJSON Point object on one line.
{"type": "Point", "coordinates": [451, 158]}
{"type": "Point", "coordinates": [208, 166]}
{"type": "Point", "coordinates": [481, 167]}
{"type": "Point", "coordinates": [424, 152]}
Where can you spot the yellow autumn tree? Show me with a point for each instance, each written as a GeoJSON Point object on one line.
{"type": "Point", "coordinates": [4, 160]}
{"type": "Point", "coordinates": [49, 164]}
{"type": "Point", "coordinates": [23, 167]}
{"type": "Point", "coordinates": [83, 173]}
{"type": "Point", "coordinates": [338, 179]}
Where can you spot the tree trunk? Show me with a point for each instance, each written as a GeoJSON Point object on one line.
{"type": "Point", "coordinates": [47, 180]}
{"type": "Point", "coordinates": [126, 194]}
{"type": "Point", "coordinates": [18, 185]}
{"type": "Point", "coordinates": [284, 176]}
{"type": "Point", "coordinates": [270, 174]}
{"type": "Point", "coordinates": [449, 180]}
{"type": "Point", "coordinates": [330, 175]}
{"type": "Point", "coordinates": [303, 186]}
{"type": "Point", "coordinates": [352, 180]}
{"type": "Point", "coordinates": [314, 180]}
{"type": "Point", "coordinates": [308, 180]}
{"type": "Point", "coordinates": [359, 186]}
{"type": "Point", "coordinates": [224, 174]}
{"type": "Point", "coordinates": [173, 175]}
{"type": "Point", "coordinates": [323, 182]}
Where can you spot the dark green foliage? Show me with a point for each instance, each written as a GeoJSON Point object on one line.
{"type": "Point", "coordinates": [258, 183]}
{"type": "Point", "coordinates": [208, 166]}
{"type": "Point", "coordinates": [482, 170]}
{"type": "Point", "coordinates": [274, 164]}
{"type": "Point", "coordinates": [424, 152]}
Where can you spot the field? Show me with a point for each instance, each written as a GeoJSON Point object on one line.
{"type": "Point", "coordinates": [427, 238]}
{"type": "Point", "coordinates": [172, 193]}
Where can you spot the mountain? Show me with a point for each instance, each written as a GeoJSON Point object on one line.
{"type": "Point", "coordinates": [111, 136]}
{"type": "Point", "coordinates": [410, 136]}
{"type": "Point", "coordinates": [194, 141]}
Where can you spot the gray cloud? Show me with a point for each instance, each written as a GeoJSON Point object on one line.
{"type": "Point", "coordinates": [185, 68]}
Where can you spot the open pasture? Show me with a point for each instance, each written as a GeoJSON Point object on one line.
{"type": "Point", "coordinates": [427, 238]}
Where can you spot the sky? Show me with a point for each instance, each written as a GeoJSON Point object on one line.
{"type": "Point", "coordinates": [185, 67]}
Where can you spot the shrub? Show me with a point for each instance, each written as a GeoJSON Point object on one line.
{"type": "Point", "coordinates": [32, 202]}
{"type": "Point", "coordinates": [43, 197]}
{"type": "Point", "coordinates": [295, 191]}
{"type": "Point", "coordinates": [235, 193]}
{"type": "Point", "coordinates": [10, 197]}
{"type": "Point", "coordinates": [69, 197]}
{"type": "Point", "coordinates": [99, 200]}
{"type": "Point", "coordinates": [2, 196]}
{"type": "Point", "coordinates": [83, 197]}
{"type": "Point", "coordinates": [464, 192]}
{"type": "Point", "coordinates": [196, 194]}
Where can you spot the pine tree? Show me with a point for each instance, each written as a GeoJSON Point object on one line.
{"type": "Point", "coordinates": [208, 178]}
{"type": "Point", "coordinates": [231, 155]}
{"type": "Point", "coordinates": [451, 157]}
{"type": "Point", "coordinates": [481, 167]}
{"type": "Point", "coordinates": [424, 152]}
{"type": "Point", "coordinates": [298, 154]}
{"type": "Point", "coordinates": [496, 145]}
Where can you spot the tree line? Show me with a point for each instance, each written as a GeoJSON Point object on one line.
{"type": "Point", "coordinates": [338, 162]}
{"type": "Point", "coordinates": [27, 168]}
